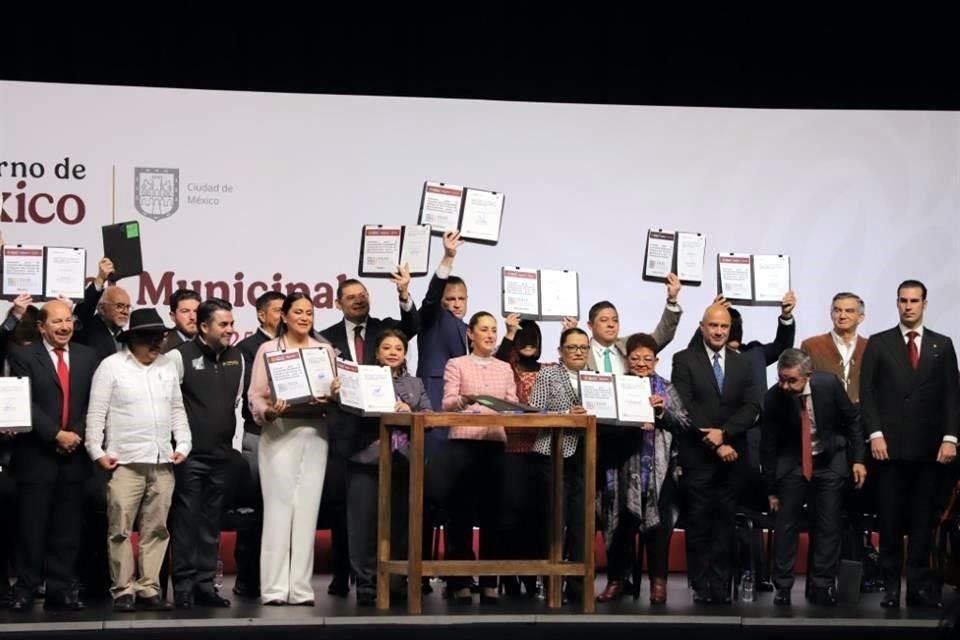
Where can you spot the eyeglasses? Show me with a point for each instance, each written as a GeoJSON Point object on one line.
{"type": "Point", "coordinates": [120, 306]}
{"type": "Point", "coordinates": [573, 348]}
{"type": "Point", "coordinates": [644, 359]}
{"type": "Point", "coordinates": [791, 380]}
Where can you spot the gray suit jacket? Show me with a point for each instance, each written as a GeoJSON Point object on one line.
{"type": "Point", "coordinates": [662, 334]}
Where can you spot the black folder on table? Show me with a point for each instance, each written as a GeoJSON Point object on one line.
{"type": "Point", "coordinates": [502, 405]}
{"type": "Point", "coordinates": [121, 243]}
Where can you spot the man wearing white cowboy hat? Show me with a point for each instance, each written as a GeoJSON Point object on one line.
{"type": "Point", "coordinates": [135, 406]}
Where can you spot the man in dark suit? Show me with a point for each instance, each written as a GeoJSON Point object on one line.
{"type": "Point", "coordinates": [353, 338]}
{"type": "Point", "coordinates": [247, 551]}
{"type": "Point", "coordinates": [443, 333]}
{"type": "Point", "coordinates": [103, 313]}
{"type": "Point", "coordinates": [811, 436]}
{"type": "Point", "coordinates": [910, 402]}
{"type": "Point", "coordinates": [716, 386]}
{"type": "Point", "coordinates": [183, 312]}
{"type": "Point", "coordinates": [49, 461]}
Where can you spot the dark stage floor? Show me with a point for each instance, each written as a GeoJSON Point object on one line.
{"type": "Point", "coordinates": [512, 618]}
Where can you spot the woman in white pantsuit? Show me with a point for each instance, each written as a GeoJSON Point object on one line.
{"type": "Point", "coordinates": [293, 460]}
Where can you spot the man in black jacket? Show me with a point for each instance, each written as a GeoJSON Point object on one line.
{"type": "Point", "coordinates": [812, 440]}
{"type": "Point", "coordinates": [247, 551]}
{"type": "Point", "coordinates": [716, 386]}
{"type": "Point", "coordinates": [211, 379]}
{"type": "Point", "coordinates": [103, 313]}
{"type": "Point", "coordinates": [910, 402]}
{"type": "Point", "coordinates": [353, 338]}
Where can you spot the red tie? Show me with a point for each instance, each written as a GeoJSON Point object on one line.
{"type": "Point", "coordinates": [358, 343]}
{"type": "Point", "coordinates": [806, 452]}
{"type": "Point", "coordinates": [63, 374]}
{"type": "Point", "coordinates": [912, 352]}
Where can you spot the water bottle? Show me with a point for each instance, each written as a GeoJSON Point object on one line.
{"type": "Point", "coordinates": [746, 587]}
{"type": "Point", "coordinates": [218, 575]}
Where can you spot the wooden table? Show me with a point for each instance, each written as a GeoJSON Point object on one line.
{"type": "Point", "coordinates": [414, 567]}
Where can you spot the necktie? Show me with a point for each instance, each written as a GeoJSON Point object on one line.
{"type": "Point", "coordinates": [912, 352]}
{"type": "Point", "coordinates": [718, 371]}
{"type": "Point", "coordinates": [63, 374]}
{"type": "Point", "coordinates": [607, 364]}
{"type": "Point", "coordinates": [806, 449]}
{"type": "Point", "coordinates": [358, 342]}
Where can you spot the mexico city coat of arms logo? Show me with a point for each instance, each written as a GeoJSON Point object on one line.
{"type": "Point", "coordinates": [156, 192]}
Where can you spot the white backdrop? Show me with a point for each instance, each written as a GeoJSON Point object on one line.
{"type": "Point", "coordinates": [859, 199]}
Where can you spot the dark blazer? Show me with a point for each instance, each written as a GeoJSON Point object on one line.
{"type": "Point", "coordinates": [732, 409]}
{"type": "Point", "coordinates": [172, 341]}
{"type": "Point", "coordinates": [35, 455]}
{"type": "Point", "coordinates": [839, 431]}
{"type": "Point", "coordinates": [90, 329]}
{"type": "Point", "coordinates": [343, 433]}
{"type": "Point", "coordinates": [409, 323]}
{"type": "Point", "coordinates": [913, 409]}
{"type": "Point", "coordinates": [442, 336]}
{"type": "Point", "coordinates": [248, 348]}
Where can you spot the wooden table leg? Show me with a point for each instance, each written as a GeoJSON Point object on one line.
{"type": "Point", "coordinates": [384, 488]}
{"type": "Point", "coordinates": [589, 513]}
{"type": "Point", "coordinates": [554, 582]}
{"type": "Point", "coordinates": [415, 528]}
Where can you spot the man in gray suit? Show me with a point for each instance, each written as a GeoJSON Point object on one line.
{"type": "Point", "coordinates": [608, 350]}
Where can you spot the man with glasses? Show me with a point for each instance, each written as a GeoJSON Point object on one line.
{"type": "Point", "coordinates": [812, 441]}
{"type": "Point", "coordinates": [103, 313]}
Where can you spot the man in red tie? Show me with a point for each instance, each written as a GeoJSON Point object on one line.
{"type": "Point", "coordinates": [50, 462]}
{"type": "Point", "coordinates": [910, 401]}
{"type": "Point", "coordinates": [811, 443]}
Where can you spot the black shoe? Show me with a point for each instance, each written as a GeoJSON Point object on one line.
{"type": "Point", "coordinates": [339, 586]}
{"type": "Point", "coordinates": [210, 599]}
{"type": "Point", "coordinates": [21, 601]}
{"type": "Point", "coordinates": [366, 599]}
{"type": "Point", "coordinates": [245, 590]}
{"type": "Point", "coordinates": [124, 604]}
{"type": "Point", "coordinates": [183, 601]}
{"type": "Point", "coordinates": [891, 599]}
{"type": "Point", "coordinates": [924, 599]}
{"type": "Point", "coordinates": [782, 597]}
{"type": "Point", "coordinates": [718, 596]}
{"type": "Point", "coordinates": [153, 603]}
{"type": "Point", "coordinates": [63, 602]}
{"type": "Point", "coordinates": [702, 597]}
{"type": "Point", "coordinates": [826, 597]}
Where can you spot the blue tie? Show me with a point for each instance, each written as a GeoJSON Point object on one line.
{"type": "Point", "coordinates": [718, 371]}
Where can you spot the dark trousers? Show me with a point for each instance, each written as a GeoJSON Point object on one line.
{"type": "Point", "coordinates": [362, 501]}
{"type": "Point", "coordinates": [333, 510]}
{"type": "Point", "coordinates": [711, 501]}
{"type": "Point", "coordinates": [50, 534]}
{"type": "Point", "coordinates": [195, 522]}
{"type": "Point", "coordinates": [824, 493]}
{"type": "Point", "coordinates": [247, 551]}
{"type": "Point", "coordinates": [8, 526]}
{"type": "Point", "coordinates": [906, 498]}
{"type": "Point", "coordinates": [523, 513]}
{"type": "Point", "coordinates": [94, 567]}
{"type": "Point", "coordinates": [475, 486]}
{"type": "Point", "coordinates": [620, 550]}
{"type": "Point", "coordinates": [572, 508]}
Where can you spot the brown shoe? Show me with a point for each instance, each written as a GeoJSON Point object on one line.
{"type": "Point", "coordinates": [658, 590]}
{"type": "Point", "coordinates": [613, 591]}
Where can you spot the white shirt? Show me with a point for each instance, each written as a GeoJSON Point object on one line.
{"type": "Point", "coordinates": [806, 397]}
{"type": "Point", "coordinates": [617, 363]}
{"type": "Point", "coordinates": [135, 408]}
{"type": "Point", "coordinates": [351, 340]}
{"type": "Point", "coordinates": [51, 351]}
{"type": "Point", "coordinates": [846, 353]}
{"type": "Point", "coordinates": [919, 339]}
{"type": "Point", "coordinates": [722, 353]}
